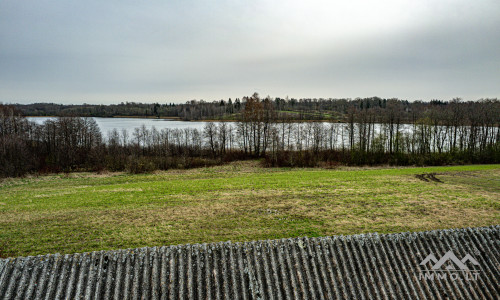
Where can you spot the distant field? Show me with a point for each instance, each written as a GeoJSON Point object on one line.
{"type": "Point", "coordinates": [238, 202]}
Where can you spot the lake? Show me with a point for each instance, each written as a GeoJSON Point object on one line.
{"type": "Point", "coordinates": [108, 124]}
{"type": "Point", "coordinates": [301, 131]}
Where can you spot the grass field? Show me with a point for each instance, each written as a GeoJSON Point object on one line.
{"type": "Point", "coordinates": [241, 201]}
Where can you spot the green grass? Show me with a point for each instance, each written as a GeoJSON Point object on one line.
{"type": "Point", "coordinates": [241, 201]}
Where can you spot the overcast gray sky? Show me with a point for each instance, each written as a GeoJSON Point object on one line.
{"type": "Point", "coordinates": [173, 51]}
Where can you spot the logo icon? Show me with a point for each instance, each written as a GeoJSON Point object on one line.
{"type": "Point", "coordinates": [450, 257]}
{"type": "Point", "coordinates": [449, 266]}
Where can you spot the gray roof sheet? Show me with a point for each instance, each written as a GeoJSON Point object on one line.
{"type": "Point", "coordinates": [365, 266]}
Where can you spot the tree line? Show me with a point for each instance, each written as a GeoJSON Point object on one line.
{"type": "Point", "coordinates": [290, 108]}
{"type": "Point", "coordinates": [454, 132]}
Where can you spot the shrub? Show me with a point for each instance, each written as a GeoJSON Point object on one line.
{"type": "Point", "coordinates": [137, 165]}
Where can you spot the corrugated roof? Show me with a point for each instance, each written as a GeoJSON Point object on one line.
{"type": "Point", "coordinates": [366, 266]}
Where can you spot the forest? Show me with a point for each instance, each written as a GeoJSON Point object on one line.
{"type": "Point", "coordinates": [370, 131]}
{"type": "Point", "coordinates": [194, 110]}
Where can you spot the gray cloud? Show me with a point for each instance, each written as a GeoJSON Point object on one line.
{"type": "Point", "coordinates": [112, 51]}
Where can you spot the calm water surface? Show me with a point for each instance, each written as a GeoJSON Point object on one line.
{"type": "Point", "coordinates": [108, 124]}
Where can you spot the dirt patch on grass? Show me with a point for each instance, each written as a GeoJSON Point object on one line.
{"type": "Point", "coordinates": [428, 177]}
